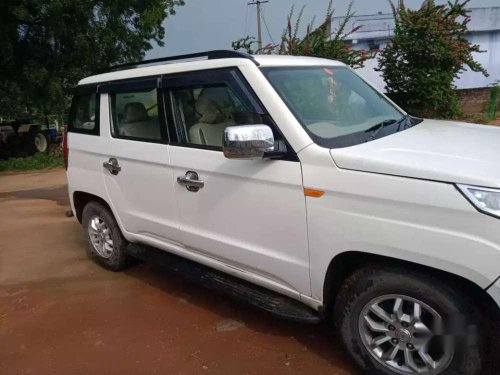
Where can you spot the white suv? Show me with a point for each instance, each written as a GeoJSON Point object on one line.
{"type": "Point", "coordinates": [312, 192]}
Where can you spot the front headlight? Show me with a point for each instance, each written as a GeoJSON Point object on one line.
{"type": "Point", "coordinates": [484, 199]}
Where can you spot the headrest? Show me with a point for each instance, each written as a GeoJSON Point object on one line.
{"type": "Point", "coordinates": [219, 94]}
{"type": "Point", "coordinates": [210, 111]}
{"type": "Point", "coordinates": [135, 112]}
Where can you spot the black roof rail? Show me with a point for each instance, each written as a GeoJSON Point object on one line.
{"type": "Point", "coordinates": [208, 55]}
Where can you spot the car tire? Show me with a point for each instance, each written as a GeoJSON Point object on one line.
{"type": "Point", "coordinates": [369, 289]}
{"type": "Point", "coordinates": [105, 242]}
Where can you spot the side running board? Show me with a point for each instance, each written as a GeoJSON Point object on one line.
{"type": "Point", "coordinates": [241, 290]}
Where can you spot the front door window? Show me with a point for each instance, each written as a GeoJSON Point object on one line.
{"type": "Point", "coordinates": [202, 112]}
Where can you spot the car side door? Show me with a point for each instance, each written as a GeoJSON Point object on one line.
{"type": "Point", "coordinates": [135, 165]}
{"type": "Point", "coordinates": [248, 214]}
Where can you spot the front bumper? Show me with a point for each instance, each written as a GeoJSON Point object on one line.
{"type": "Point", "coordinates": [494, 291]}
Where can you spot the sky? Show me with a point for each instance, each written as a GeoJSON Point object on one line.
{"type": "Point", "coordinates": [203, 25]}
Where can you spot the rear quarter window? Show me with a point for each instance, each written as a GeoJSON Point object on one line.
{"type": "Point", "coordinates": [84, 114]}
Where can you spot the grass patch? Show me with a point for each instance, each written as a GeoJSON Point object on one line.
{"type": "Point", "coordinates": [37, 161]}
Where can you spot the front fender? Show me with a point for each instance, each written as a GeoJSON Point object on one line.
{"type": "Point", "coordinates": [418, 221]}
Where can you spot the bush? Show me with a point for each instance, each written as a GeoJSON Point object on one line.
{"type": "Point", "coordinates": [427, 53]}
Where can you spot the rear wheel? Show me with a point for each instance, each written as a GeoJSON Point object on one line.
{"type": "Point", "coordinates": [105, 242]}
{"type": "Point", "coordinates": [41, 142]}
{"type": "Point", "coordinates": [407, 322]}
{"type": "Point", "coordinates": [35, 141]}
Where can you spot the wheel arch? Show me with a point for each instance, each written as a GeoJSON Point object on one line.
{"type": "Point", "coordinates": [343, 264]}
{"type": "Point", "coordinates": [81, 198]}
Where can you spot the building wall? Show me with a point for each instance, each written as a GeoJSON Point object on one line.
{"type": "Point", "coordinates": [474, 101]}
{"type": "Point", "coordinates": [490, 59]}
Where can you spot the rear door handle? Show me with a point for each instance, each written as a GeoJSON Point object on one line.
{"type": "Point", "coordinates": [191, 181]}
{"type": "Point", "coordinates": [112, 166]}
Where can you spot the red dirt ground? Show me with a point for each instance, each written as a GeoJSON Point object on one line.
{"type": "Point", "coordinates": [62, 314]}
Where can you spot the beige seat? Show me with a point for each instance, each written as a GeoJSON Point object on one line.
{"type": "Point", "coordinates": [136, 122]}
{"type": "Point", "coordinates": [214, 118]}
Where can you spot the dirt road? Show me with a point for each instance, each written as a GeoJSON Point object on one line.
{"type": "Point", "coordinates": [62, 314]}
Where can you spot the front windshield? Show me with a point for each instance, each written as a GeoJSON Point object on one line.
{"type": "Point", "coordinates": [335, 106]}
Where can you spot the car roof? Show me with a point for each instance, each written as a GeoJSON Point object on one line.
{"type": "Point", "coordinates": [185, 65]}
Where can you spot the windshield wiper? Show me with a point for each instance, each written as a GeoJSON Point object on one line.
{"type": "Point", "coordinates": [405, 123]}
{"type": "Point", "coordinates": [376, 128]}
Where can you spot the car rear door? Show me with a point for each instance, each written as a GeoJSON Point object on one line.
{"type": "Point", "coordinates": [136, 167]}
{"type": "Point", "coordinates": [249, 214]}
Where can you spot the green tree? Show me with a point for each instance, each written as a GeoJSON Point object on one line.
{"type": "Point", "coordinates": [316, 42]}
{"type": "Point", "coordinates": [429, 50]}
{"type": "Point", "coordinates": [48, 45]}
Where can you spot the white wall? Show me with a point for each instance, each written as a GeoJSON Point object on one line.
{"type": "Point", "coordinates": [489, 42]}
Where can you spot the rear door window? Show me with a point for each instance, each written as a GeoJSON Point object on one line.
{"type": "Point", "coordinates": [135, 115]}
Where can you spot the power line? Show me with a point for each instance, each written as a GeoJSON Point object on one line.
{"type": "Point", "coordinates": [245, 31]}
{"type": "Point", "coordinates": [267, 28]}
{"type": "Point", "coordinates": [250, 20]}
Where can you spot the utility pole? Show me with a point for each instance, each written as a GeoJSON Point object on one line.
{"type": "Point", "coordinates": [259, 30]}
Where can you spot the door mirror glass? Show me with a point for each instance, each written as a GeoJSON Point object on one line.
{"type": "Point", "coordinates": [247, 141]}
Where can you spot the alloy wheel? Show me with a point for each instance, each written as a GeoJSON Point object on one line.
{"type": "Point", "coordinates": [100, 236]}
{"type": "Point", "coordinates": [403, 334]}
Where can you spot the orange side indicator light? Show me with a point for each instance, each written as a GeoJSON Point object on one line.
{"type": "Point", "coordinates": [313, 193]}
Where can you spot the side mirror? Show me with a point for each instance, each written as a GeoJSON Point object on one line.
{"type": "Point", "coordinates": [247, 141]}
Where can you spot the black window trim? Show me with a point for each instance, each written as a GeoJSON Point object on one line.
{"type": "Point", "coordinates": [79, 92]}
{"type": "Point", "coordinates": [133, 84]}
{"type": "Point", "coordinates": [165, 115]}
{"type": "Point", "coordinates": [199, 77]}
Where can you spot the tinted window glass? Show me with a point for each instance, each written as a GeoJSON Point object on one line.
{"type": "Point", "coordinates": [83, 117]}
{"type": "Point", "coordinates": [201, 113]}
{"type": "Point", "coordinates": [135, 115]}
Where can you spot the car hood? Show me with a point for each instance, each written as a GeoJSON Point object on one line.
{"type": "Point", "coordinates": [434, 150]}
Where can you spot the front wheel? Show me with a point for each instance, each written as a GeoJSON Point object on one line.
{"type": "Point", "coordinates": [407, 322]}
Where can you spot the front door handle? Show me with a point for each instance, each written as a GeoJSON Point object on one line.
{"type": "Point", "coordinates": [112, 166]}
{"type": "Point", "coordinates": [191, 181]}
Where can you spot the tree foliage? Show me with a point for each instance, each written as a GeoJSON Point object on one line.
{"type": "Point", "coordinates": [320, 41]}
{"type": "Point", "coordinates": [48, 45]}
{"type": "Point", "coordinates": [429, 50]}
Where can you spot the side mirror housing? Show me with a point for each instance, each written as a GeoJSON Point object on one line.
{"type": "Point", "coordinates": [247, 141]}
